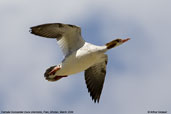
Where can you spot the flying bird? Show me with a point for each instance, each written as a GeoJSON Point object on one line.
{"type": "Point", "coordinates": [79, 55]}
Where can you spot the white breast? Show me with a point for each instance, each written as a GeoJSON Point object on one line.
{"type": "Point", "coordinates": [81, 59]}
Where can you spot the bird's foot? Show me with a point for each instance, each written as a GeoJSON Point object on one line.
{"type": "Point", "coordinates": [50, 74]}
{"type": "Point", "coordinates": [58, 77]}
{"type": "Point", "coordinates": [53, 71]}
{"type": "Point", "coordinates": [55, 78]}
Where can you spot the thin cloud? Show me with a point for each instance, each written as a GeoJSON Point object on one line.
{"type": "Point", "coordinates": [140, 83]}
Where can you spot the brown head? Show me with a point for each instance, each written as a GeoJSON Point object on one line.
{"type": "Point", "coordinates": [116, 43]}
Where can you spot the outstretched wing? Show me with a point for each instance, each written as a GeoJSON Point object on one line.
{"type": "Point", "coordinates": [94, 77]}
{"type": "Point", "coordinates": [68, 36]}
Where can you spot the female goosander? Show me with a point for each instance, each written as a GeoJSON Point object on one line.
{"type": "Point", "coordinates": [79, 55]}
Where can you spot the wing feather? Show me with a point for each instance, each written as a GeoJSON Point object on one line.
{"type": "Point", "coordinates": [68, 36]}
{"type": "Point", "coordinates": [94, 77]}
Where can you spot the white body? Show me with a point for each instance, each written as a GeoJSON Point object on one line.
{"type": "Point", "coordinates": [82, 59]}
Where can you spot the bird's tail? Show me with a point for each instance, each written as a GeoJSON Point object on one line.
{"type": "Point", "coordinates": [50, 75]}
{"type": "Point", "coordinates": [47, 73]}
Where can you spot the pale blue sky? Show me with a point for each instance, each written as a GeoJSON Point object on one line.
{"type": "Point", "coordinates": [138, 72]}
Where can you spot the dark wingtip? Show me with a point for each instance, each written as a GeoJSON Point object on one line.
{"type": "Point", "coordinates": [35, 29]}
{"type": "Point", "coordinates": [31, 30]}
{"type": "Point", "coordinates": [96, 100]}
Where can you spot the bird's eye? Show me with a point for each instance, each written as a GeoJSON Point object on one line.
{"type": "Point", "coordinates": [117, 40]}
